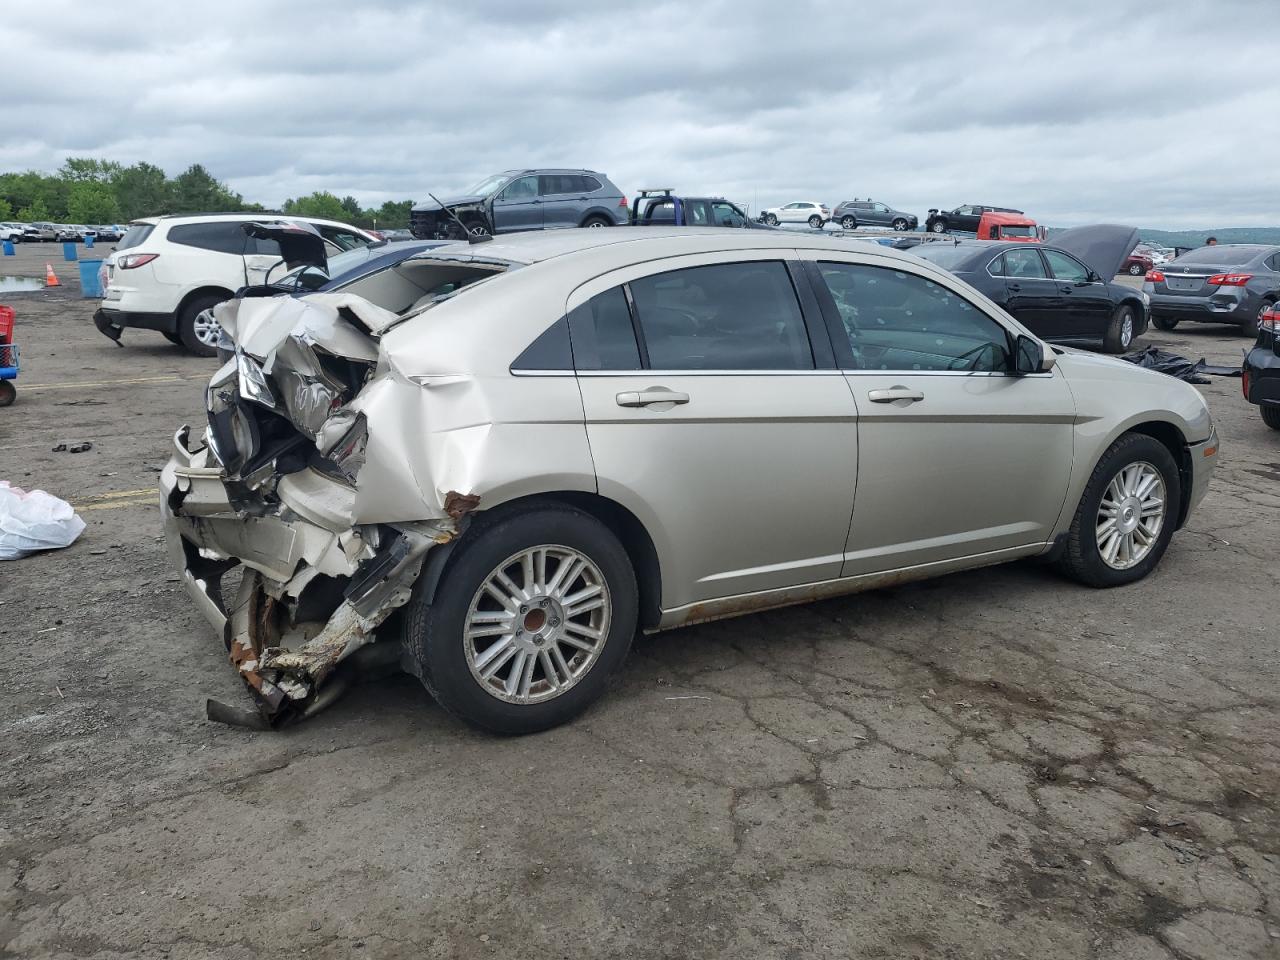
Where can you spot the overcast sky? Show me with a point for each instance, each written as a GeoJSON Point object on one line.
{"type": "Point", "coordinates": [1162, 114]}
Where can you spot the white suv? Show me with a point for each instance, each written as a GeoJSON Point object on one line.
{"type": "Point", "coordinates": [802, 211]}
{"type": "Point", "coordinates": [167, 271]}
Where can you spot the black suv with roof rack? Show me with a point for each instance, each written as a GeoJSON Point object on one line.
{"type": "Point", "coordinates": [516, 200]}
{"type": "Point", "coordinates": [965, 217]}
{"type": "Point", "coordinates": [660, 206]}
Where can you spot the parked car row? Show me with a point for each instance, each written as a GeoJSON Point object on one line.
{"type": "Point", "coordinates": [65, 232]}
{"type": "Point", "coordinates": [855, 214]}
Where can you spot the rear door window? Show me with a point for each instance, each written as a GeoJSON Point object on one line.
{"type": "Point", "coordinates": [729, 316]}
{"type": "Point", "coordinates": [1025, 264]}
{"type": "Point", "coordinates": [221, 236]}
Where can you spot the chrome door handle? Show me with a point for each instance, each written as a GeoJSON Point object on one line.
{"type": "Point", "coordinates": [653, 395]}
{"type": "Point", "coordinates": [894, 394]}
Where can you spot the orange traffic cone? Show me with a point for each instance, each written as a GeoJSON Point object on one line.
{"type": "Point", "coordinates": [50, 278]}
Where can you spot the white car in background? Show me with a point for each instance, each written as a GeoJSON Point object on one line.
{"type": "Point", "coordinates": [12, 231]}
{"type": "Point", "coordinates": [802, 211]}
{"type": "Point", "coordinates": [167, 272]}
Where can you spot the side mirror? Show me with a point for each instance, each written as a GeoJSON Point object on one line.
{"type": "Point", "coordinates": [1030, 356]}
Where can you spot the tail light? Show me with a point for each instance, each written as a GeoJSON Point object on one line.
{"type": "Point", "coordinates": [1230, 279]}
{"type": "Point", "coordinates": [622, 204]}
{"type": "Point", "coordinates": [1269, 321]}
{"type": "Point", "coordinates": [1244, 382]}
{"type": "Point", "coordinates": [1155, 276]}
{"type": "Point", "coordinates": [131, 260]}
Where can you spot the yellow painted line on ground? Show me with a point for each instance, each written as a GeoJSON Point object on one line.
{"type": "Point", "coordinates": [117, 494]}
{"type": "Point", "coordinates": [149, 501]}
{"type": "Point", "coordinates": [105, 383]}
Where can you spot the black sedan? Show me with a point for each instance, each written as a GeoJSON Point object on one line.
{"type": "Point", "coordinates": [1260, 376]}
{"type": "Point", "coordinates": [1061, 291]}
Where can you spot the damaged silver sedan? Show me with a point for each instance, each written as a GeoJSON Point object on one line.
{"type": "Point", "coordinates": [561, 438]}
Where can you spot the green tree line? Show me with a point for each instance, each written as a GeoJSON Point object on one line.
{"type": "Point", "coordinates": [88, 190]}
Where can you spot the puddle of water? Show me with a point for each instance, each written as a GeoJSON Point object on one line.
{"type": "Point", "coordinates": [20, 284]}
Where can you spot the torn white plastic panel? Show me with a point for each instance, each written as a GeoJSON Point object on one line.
{"type": "Point", "coordinates": [259, 325]}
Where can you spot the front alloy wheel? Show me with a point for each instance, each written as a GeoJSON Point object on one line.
{"type": "Point", "coordinates": [537, 624]}
{"type": "Point", "coordinates": [847, 222]}
{"type": "Point", "coordinates": [1130, 516]}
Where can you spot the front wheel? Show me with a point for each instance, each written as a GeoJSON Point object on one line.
{"type": "Point", "coordinates": [1120, 331]}
{"type": "Point", "coordinates": [1163, 323]}
{"type": "Point", "coordinates": [1126, 516]}
{"type": "Point", "coordinates": [535, 611]}
{"type": "Point", "coordinates": [938, 226]}
{"type": "Point", "coordinates": [847, 222]}
{"type": "Point", "coordinates": [771, 219]}
{"type": "Point", "coordinates": [900, 225]}
{"type": "Point", "coordinates": [197, 330]}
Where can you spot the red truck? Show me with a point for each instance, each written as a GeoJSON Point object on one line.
{"type": "Point", "coordinates": [1008, 226]}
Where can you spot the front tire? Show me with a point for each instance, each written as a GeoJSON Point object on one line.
{"type": "Point", "coordinates": [938, 226]}
{"type": "Point", "coordinates": [536, 610]}
{"type": "Point", "coordinates": [1126, 516]}
{"type": "Point", "coordinates": [771, 219]}
{"type": "Point", "coordinates": [1163, 323]}
{"type": "Point", "coordinates": [900, 225]}
{"type": "Point", "coordinates": [848, 222]}
{"type": "Point", "coordinates": [197, 330]}
{"type": "Point", "coordinates": [1121, 330]}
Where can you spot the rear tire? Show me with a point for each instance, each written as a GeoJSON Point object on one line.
{"type": "Point", "coordinates": [816, 222]}
{"type": "Point", "coordinates": [444, 637]}
{"type": "Point", "coordinates": [1250, 328]}
{"type": "Point", "coordinates": [1121, 330]}
{"type": "Point", "coordinates": [1084, 560]}
{"type": "Point", "coordinates": [1135, 270]}
{"type": "Point", "coordinates": [1163, 323]}
{"type": "Point", "coordinates": [938, 226]}
{"type": "Point", "coordinates": [9, 393]}
{"type": "Point", "coordinates": [597, 221]}
{"type": "Point", "coordinates": [194, 331]}
{"type": "Point", "coordinates": [1270, 416]}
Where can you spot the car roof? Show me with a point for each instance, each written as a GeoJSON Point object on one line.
{"type": "Point", "coordinates": [266, 215]}
{"type": "Point", "coordinates": [651, 242]}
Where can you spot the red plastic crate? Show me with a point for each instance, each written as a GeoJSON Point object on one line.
{"type": "Point", "coordinates": [6, 324]}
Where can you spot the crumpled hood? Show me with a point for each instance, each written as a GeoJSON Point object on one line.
{"type": "Point", "coordinates": [430, 204]}
{"type": "Point", "coordinates": [1102, 246]}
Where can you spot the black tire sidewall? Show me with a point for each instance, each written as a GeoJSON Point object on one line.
{"type": "Point", "coordinates": [433, 633]}
{"type": "Point", "coordinates": [1163, 323]}
{"type": "Point", "coordinates": [1083, 559]}
{"type": "Point", "coordinates": [848, 223]}
{"type": "Point", "coordinates": [1113, 342]}
{"type": "Point", "coordinates": [1270, 416]}
{"type": "Point", "coordinates": [186, 325]}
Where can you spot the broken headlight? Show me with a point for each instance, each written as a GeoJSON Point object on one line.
{"type": "Point", "coordinates": [347, 452]}
{"type": "Point", "coordinates": [253, 382]}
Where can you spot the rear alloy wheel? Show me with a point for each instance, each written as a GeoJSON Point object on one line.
{"type": "Point", "coordinates": [816, 222]}
{"type": "Point", "coordinates": [938, 226]}
{"type": "Point", "coordinates": [535, 611]}
{"type": "Point", "coordinates": [771, 219]}
{"type": "Point", "coordinates": [847, 222]}
{"type": "Point", "coordinates": [1135, 270]}
{"type": "Point", "coordinates": [596, 222]}
{"type": "Point", "coordinates": [1120, 332]}
{"type": "Point", "coordinates": [900, 225]}
{"type": "Point", "coordinates": [1126, 516]}
{"type": "Point", "coordinates": [197, 330]}
{"type": "Point", "coordinates": [1163, 323]}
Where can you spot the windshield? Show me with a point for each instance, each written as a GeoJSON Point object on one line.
{"type": "Point", "coordinates": [136, 233]}
{"type": "Point", "coordinates": [488, 185]}
{"type": "Point", "coordinates": [1223, 255]}
{"type": "Point", "coordinates": [1008, 230]}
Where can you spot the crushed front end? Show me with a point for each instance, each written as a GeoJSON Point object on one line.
{"type": "Point", "coordinates": [270, 490]}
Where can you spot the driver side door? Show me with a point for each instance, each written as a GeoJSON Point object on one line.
{"type": "Point", "coordinates": [518, 206]}
{"type": "Point", "coordinates": [958, 456]}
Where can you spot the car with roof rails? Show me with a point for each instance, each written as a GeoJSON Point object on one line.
{"type": "Point", "coordinates": [1062, 291]}
{"type": "Point", "coordinates": [1232, 283]}
{"type": "Point", "coordinates": [964, 218]}
{"type": "Point", "coordinates": [852, 214]}
{"type": "Point", "coordinates": [811, 212]}
{"type": "Point", "coordinates": [167, 271]}
{"type": "Point", "coordinates": [582, 434]}
{"type": "Point", "coordinates": [660, 206]}
{"type": "Point", "coordinates": [519, 200]}
{"type": "Point", "coordinates": [13, 231]}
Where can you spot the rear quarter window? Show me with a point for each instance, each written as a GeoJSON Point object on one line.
{"type": "Point", "coordinates": [135, 235]}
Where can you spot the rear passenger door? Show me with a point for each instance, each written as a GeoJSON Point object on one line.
{"type": "Point", "coordinates": [1031, 295]}
{"type": "Point", "coordinates": [715, 414]}
{"type": "Point", "coordinates": [562, 197]}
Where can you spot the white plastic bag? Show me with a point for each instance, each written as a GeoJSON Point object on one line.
{"type": "Point", "coordinates": [34, 520]}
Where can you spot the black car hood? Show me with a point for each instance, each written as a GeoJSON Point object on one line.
{"type": "Point", "coordinates": [1102, 246]}
{"type": "Point", "coordinates": [300, 243]}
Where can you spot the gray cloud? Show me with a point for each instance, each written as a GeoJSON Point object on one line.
{"type": "Point", "coordinates": [1084, 111]}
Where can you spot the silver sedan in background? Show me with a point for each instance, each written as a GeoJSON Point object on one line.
{"type": "Point", "coordinates": [550, 441]}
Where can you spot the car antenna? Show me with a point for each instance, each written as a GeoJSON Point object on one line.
{"type": "Point", "coordinates": [471, 237]}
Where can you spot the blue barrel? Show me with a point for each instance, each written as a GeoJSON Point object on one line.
{"type": "Point", "coordinates": [8, 248]}
{"type": "Point", "coordinates": [88, 242]}
{"type": "Point", "coordinates": [68, 251]}
{"type": "Point", "coordinates": [90, 283]}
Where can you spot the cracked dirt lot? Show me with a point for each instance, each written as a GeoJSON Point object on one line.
{"type": "Point", "coordinates": [995, 764]}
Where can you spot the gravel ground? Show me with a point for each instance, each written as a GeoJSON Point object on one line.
{"type": "Point", "coordinates": [988, 765]}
